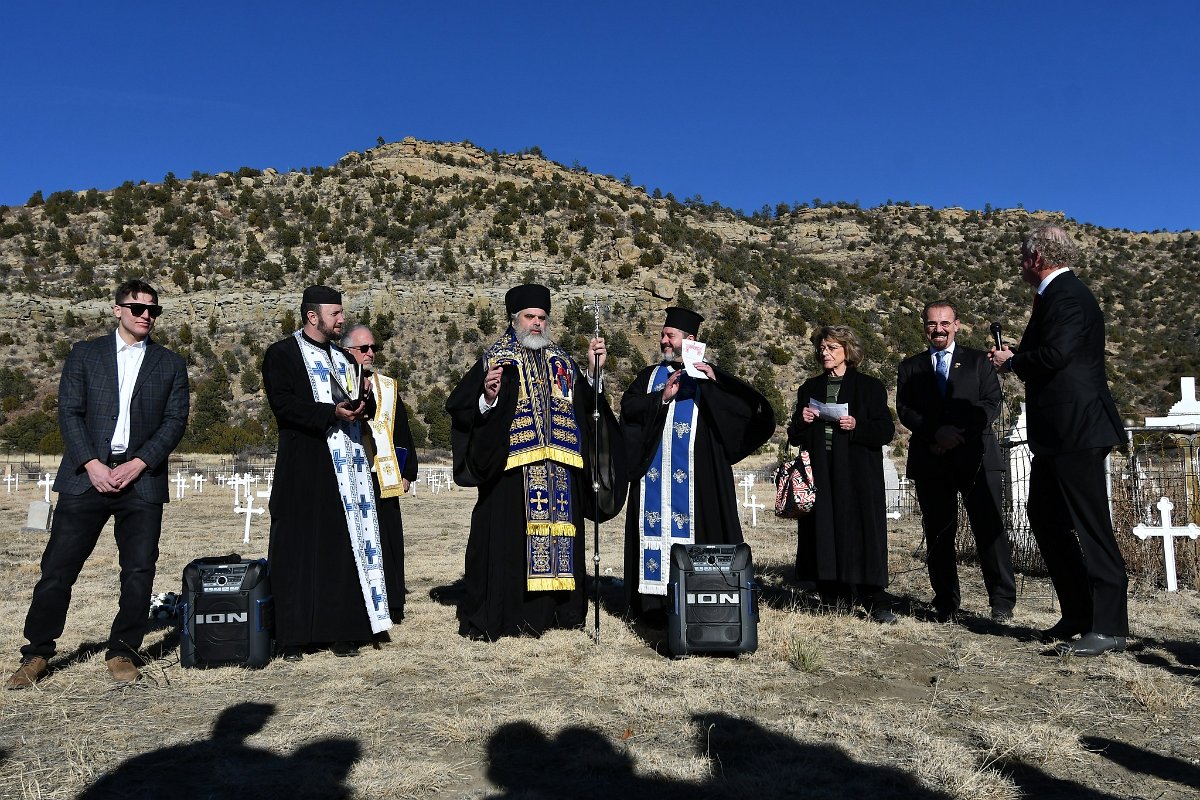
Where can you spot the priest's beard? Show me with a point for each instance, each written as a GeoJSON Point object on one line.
{"type": "Point", "coordinates": [533, 341]}
{"type": "Point", "coordinates": [668, 355]}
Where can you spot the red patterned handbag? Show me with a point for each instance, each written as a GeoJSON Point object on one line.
{"type": "Point", "coordinates": [795, 493]}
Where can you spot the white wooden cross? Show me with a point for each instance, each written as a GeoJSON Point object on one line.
{"type": "Point", "coordinates": [9, 480]}
{"type": "Point", "coordinates": [238, 482]}
{"type": "Point", "coordinates": [1168, 532]}
{"type": "Point", "coordinates": [198, 483]}
{"type": "Point", "coordinates": [221, 479]}
{"type": "Point", "coordinates": [180, 482]}
{"type": "Point", "coordinates": [747, 484]}
{"type": "Point", "coordinates": [47, 482]}
{"type": "Point", "coordinates": [754, 506]}
{"type": "Point", "coordinates": [248, 511]}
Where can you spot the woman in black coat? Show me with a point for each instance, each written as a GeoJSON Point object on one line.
{"type": "Point", "coordinates": [842, 544]}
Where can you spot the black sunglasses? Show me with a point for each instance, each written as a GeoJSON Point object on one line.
{"type": "Point", "coordinates": [137, 309]}
{"type": "Point", "coordinates": [365, 348]}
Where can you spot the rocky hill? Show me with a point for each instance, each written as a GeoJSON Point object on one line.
{"type": "Point", "coordinates": [423, 239]}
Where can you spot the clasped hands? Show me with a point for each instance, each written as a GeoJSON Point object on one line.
{"type": "Point", "coordinates": [946, 438]}
{"type": "Point", "coordinates": [116, 479]}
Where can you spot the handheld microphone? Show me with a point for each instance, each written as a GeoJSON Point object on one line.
{"type": "Point", "coordinates": [996, 336]}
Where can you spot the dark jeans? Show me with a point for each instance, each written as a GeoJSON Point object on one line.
{"type": "Point", "coordinates": [78, 521]}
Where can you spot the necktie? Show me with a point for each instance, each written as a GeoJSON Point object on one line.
{"type": "Point", "coordinates": [943, 370]}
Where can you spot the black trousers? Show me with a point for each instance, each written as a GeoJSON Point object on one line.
{"type": "Point", "coordinates": [1069, 517]}
{"type": "Point", "coordinates": [938, 499]}
{"type": "Point", "coordinates": [78, 521]}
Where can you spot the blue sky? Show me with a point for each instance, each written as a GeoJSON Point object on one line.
{"type": "Point", "coordinates": [1092, 109]}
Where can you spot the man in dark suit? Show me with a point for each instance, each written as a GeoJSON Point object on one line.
{"type": "Point", "coordinates": [948, 396]}
{"type": "Point", "coordinates": [1073, 425]}
{"type": "Point", "coordinates": [122, 409]}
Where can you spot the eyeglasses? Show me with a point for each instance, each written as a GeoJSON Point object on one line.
{"type": "Point", "coordinates": [137, 309]}
{"type": "Point", "coordinates": [828, 348]}
{"type": "Point", "coordinates": [365, 348]}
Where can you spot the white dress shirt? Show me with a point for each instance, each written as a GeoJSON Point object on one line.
{"type": "Point", "coordinates": [129, 364]}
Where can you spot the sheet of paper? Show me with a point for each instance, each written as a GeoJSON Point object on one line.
{"type": "Point", "coordinates": [830, 412]}
{"type": "Point", "coordinates": [693, 351]}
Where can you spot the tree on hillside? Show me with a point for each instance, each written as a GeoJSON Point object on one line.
{"type": "Point", "coordinates": [432, 407]}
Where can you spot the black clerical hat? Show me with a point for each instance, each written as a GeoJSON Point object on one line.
{"type": "Point", "coordinates": [684, 319]}
{"type": "Point", "coordinates": [527, 295]}
{"type": "Point", "coordinates": [322, 295]}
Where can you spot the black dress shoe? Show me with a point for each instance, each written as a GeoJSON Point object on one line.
{"type": "Point", "coordinates": [292, 653]}
{"type": "Point", "coordinates": [1002, 615]}
{"type": "Point", "coordinates": [945, 615]}
{"type": "Point", "coordinates": [344, 649]}
{"type": "Point", "coordinates": [1062, 631]}
{"type": "Point", "coordinates": [1092, 644]}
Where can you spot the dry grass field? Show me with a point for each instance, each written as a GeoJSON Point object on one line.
{"type": "Point", "coordinates": [830, 706]}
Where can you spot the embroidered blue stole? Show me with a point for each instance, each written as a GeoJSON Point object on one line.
{"type": "Point", "coordinates": [353, 475]}
{"type": "Point", "coordinates": [668, 502]}
{"type": "Point", "coordinates": [544, 441]}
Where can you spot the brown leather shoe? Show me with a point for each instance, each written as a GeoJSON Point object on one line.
{"type": "Point", "coordinates": [123, 669]}
{"type": "Point", "coordinates": [32, 670]}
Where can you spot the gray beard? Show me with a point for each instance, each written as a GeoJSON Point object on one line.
{"type": "Point", "coordinates": [668, 356]}
{"type": "Point", "coordinates": [532, 341]}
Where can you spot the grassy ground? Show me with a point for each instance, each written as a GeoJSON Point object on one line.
{"type": "Point", "coordinates": [830, 706]}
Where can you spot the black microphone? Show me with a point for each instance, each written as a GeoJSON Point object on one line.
{"type": "Point", "coordinates": [996, 336]}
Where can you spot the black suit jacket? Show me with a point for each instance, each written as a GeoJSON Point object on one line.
{"type": "Point", "coordinates": [1061, 361]}
{"type": "Point", "coordinates": [88, 405]}
{"type": "Point", "coordinates": [972, 402]}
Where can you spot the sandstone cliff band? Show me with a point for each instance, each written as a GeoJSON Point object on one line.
{"type": "Point", "coordinates": [533, 433]}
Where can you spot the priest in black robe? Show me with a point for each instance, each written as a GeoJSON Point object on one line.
{"type": "Point", "coordinates": [682, 437]}
{"type": "Point", "coordinates": [328, 587]}
{"type": "Point", "coordinates": [523, 434]}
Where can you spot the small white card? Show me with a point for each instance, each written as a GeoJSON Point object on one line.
{"type": "Point", "coordinates": [830, 412]}
{"type": "Point", "coordinates": [693, 351]}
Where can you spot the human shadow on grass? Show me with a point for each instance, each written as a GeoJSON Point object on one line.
{"type": "Point", "coordinates": [612, 594]}
{"type": "Point", "coordinates": [1145, 762]}
{"type": "Point", "coordinates": [225, 765]}
{"type": "Point", "coordinates": [82, 653]}
{"type": "Point", "coordinates": [167, 644]}
{"type": "Point", "coordinates": [1186, 653]}
{"type": "Point", "coordinates": [449, 595]}
{"type": "Point", "coordinates": [747, 761]}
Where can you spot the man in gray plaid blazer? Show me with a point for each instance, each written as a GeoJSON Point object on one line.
{"type": "Point", "coordinates": [122, 409]}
